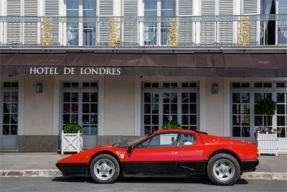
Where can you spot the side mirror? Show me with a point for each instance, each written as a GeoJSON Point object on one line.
{"type": "Point", "coordinates": [131, 148]}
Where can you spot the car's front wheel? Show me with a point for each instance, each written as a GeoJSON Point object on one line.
{"type": "Point", "coordinates": [104, 169]}
{"type": "Point", "coordinates": [223, 169]}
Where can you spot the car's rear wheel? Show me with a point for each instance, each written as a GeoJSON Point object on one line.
{"type": "Point", "coordinates": [223, 169]}
{"type": "Point", "coordinates": [104, 169]}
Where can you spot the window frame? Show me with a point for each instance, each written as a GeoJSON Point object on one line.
{"type": "Point", "coordinates": [156, 134]}
{"type": "Point", "coordinates": [160, 90]}
{"type": "Point", "coordinates": [80, 90]}
{"type": "Point", "coordinates": [80, 24]}
{"type": "Point", "coordinates": [158, 27]}
{"type": "Point", "coordinates": [273, 90]}
{"type": "Point", "coordinates": [178, 145]}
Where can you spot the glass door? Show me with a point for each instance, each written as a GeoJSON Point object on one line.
{"type": "Point", "coordinates": [151, 112]}
{"type": "Point", "coordinates": [9, 119]}
{"type": "Point", "coordinates": [241, 128]}
{"type": "Point", "coordinates": [189, 110]}
{"type": "Point", "coordinates": [89, 118]}
{"type": "Point", "coordinates": [81, 107]}
{"type": "Point", "coordinates": [169, 106]}
{"type": "Point", "coordinates": [260, 121]}
{"type": "Point", "coordinates": [163, 105]}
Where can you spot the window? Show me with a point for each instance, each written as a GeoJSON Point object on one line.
{"type": "Point", "coordinates": [241, 114]}
{"type": "Point", "coordinates": [143, 144]}
{"type": "Point", "coordinates": [189, 110]}
{"type": "Point", "coordinates": [169, 101]}
{"type": "Point", "coordinates": [76, 29]}
{"type": "Point", "coordinates": [10, 112]}
{"type": "Point", "coordinates": [260, 120]}
{"type": "Point", "coordinates": [80, 105]}
{"type": "Point", "coordinates": [157, 8]}
{"type": "Point", "coordinates": [244, 118]}
{"type": "Point", "coordinates": [186, 139]}
{"type": "Point", "coordinates": [282, 24]}
{"type": "Point", "coordinates": [163, 140]}
{"type": "Point", "coordinates": [281, 85]}
{"type": "Point", "coordinates": [216, 32]}
{"type": "Point", "coordinates": [281, 98]}
{"type": "Point", "coordinates": [240, 85]}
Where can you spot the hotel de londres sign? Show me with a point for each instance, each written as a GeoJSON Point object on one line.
{"type": "Point", "coordinates": [74, 71]}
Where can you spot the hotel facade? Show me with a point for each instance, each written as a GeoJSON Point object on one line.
{"type": "Point", "coordinates": [120, 68]}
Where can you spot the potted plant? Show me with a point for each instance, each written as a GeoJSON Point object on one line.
{"type": "Point", "coordinates": [72, 139]}
{"type": "Point", "coordinates": [171, 125]}
{"type": "Point", "coordinates": [266, 136]}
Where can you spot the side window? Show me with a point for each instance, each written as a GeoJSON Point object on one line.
{"type": "Point", "coordinates": [142, 144]}
{"type": "Point", "coordinates": [164, 140]}
{"type": "Point", "coordinates": [187, 139]}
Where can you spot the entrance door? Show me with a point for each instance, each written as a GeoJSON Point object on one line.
{"type": "Point", "coordinates": [9, 118]}
{"type": "Point", "coordinates": [244, 118]}
{"type": "Point", "coordinates": [81, 107]}
{"type": "Point", "coordinates": [90, 119]}
{"type": "Point", "coordinates": [163, 104]}
{"type": "Point", "coordinates": [260, 120]}
{"type": "Point", "coordinates": [241, 119]}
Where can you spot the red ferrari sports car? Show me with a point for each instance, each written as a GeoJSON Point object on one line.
{"type": "Point", "coordinates": [174, 152]}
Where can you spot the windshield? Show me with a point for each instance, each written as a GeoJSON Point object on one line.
{"type": "Point", "coordinates": [129, 143]}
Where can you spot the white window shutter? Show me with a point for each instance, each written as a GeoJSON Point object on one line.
{"type": "Point", "coordinates": [30, 7]}
{"type": "Point", "coordinates": [185, 8]}
{"type": "Point", "coordinates": [130, 29]}
{"type": "Point", "coordinates": [106, 8]}
{"type": "Point", "coordinates": [30, 28]}
{"type": "Point", "coordinates": [51, 7]}
{"type": "Point", "coordinates": [207, 35]}
{"type": "Point", "coordinates": [207, 7]}
{"type": "Point", "coordinates": [13, 29]}
{"type": "Point", "coordinates": [225, 7]}
{"type": "Point", "coordinates": [225, 33]}
{"type": "Point", "coordinates": [249, 7]}
{"type": "Point", "coordinates": [14, 8]}
{"type": "Point", "coordinates": [130, 7]}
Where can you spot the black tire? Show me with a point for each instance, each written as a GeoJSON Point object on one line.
{"type": "Point", "coordinates": [227, 158]}
{"type": "Point", "coordinates": [115, 172]}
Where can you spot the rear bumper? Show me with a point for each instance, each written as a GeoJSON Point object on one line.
{"type": "Point", "coordinates": [74, 169]}
{"type": "Point", "coordinates": [249, 165]}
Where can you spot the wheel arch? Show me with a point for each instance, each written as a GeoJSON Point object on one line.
{"type": "Point", "coordinates": [106, 153]}
{"type": "Point", "coordinates": [227, 152]}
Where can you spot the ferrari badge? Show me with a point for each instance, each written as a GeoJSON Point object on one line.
{"type": "Point", "coordinates": [122, 156]}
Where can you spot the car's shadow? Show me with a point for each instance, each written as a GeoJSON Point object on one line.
{"type": "Point", "coordinates": [195, 180]}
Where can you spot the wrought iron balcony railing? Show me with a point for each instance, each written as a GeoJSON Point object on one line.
{"type": "Point", "coordinates": [245, 30]}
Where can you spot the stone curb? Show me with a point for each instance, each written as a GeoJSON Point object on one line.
{"type": "Point", "coordinates": [31, 173]}
{"type": "Point", "coordinates": [264, 176]}
{"type": "Point", "coordinates": [57, 173]}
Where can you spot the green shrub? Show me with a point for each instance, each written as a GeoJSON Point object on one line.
{"type": "Point", "coordinates": [266, 107]}
{"type": "Point", "coordinates": [171, 125]}
{"type": "Point", "coordinates": [72, 128]}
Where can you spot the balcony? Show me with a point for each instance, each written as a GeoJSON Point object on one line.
{"type": "Point", "coordinates": [144, 32]}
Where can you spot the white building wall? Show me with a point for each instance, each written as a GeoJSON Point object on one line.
{"type": "Point", "coordinates": [38, 110]}
{"type": "Point", "coordinates": [119, 105]}
{"type": "Point", "coordinates": [214, 107]}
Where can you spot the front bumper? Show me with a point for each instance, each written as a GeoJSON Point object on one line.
{"type": "Point", "coordinates": [249, 165]}
{"type": "Point", "coordinates": [74, 169]}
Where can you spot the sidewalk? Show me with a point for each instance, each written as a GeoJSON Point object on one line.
{"type": "Point", "coordinates": [43, 164]}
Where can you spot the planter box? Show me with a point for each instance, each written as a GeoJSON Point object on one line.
{"type": "Point", "coordinates": [267, 143]}
{"type": "Point", "coordinates": [71, 142]}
